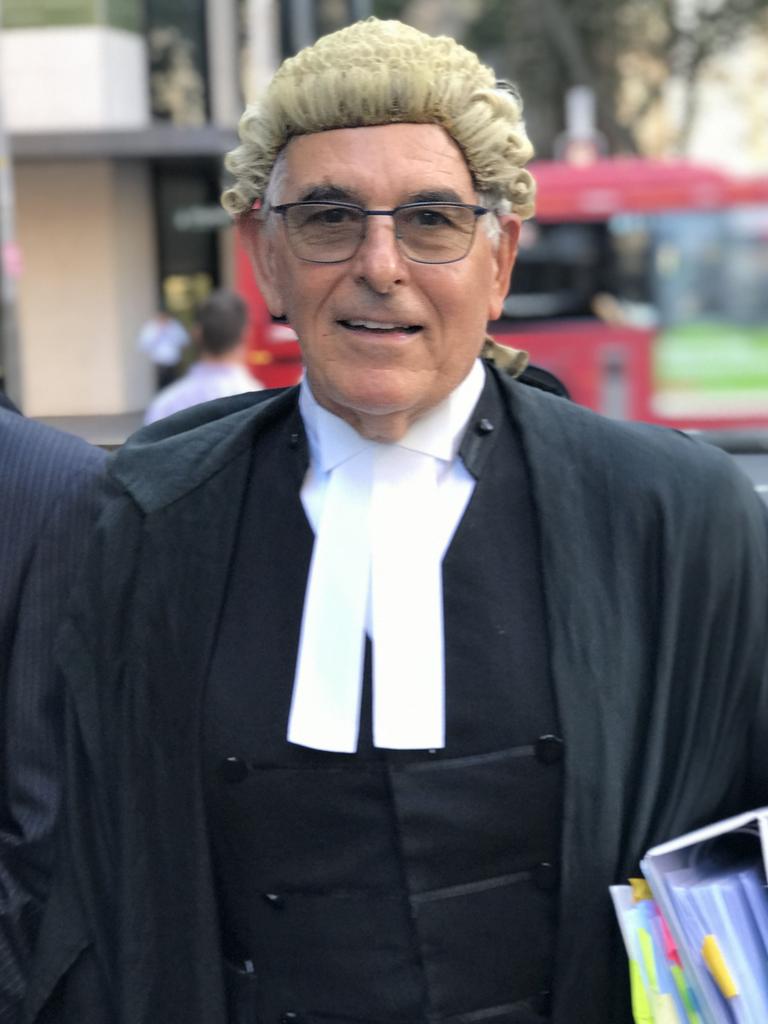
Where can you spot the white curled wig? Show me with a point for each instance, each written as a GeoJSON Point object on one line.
{"type": "Point", "coordinates": [383, 72]}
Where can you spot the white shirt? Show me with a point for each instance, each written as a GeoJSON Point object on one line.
{"type": "Point", "coordinates": [201, 383]}
{"type": "Point", "coordinates": [163, 338]}
{"type": "Point", "coordinates": [438, 433]}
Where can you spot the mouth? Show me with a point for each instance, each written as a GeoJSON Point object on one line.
{"type": "Point", "coordinates": [379, 327]}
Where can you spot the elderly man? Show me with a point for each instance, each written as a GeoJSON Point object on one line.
{"type": "Point", "coordinates": [47, 487]}
{"type": "Point", "coordinates": [379, 682]}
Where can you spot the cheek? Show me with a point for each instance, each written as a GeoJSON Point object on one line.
{"type": "Point", "coordinates": [319, 343]}
{"type": "Point", "coordinates": [462, 287]}
{"type": "Point", "coordinates": [446, 291]}
{"type": "Point", "coordinates": [306, 300]}
{"type": "Point", "coordinates": [463, 301]}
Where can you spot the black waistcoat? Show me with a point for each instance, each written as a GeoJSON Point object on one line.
{"type": "Point", "coordinates": [389, 886]}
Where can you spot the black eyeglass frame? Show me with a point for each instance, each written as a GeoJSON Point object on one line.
{"type": "Point", "coordinates": [478, 212]}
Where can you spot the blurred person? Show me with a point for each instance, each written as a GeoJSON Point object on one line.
{"type": "Point", "coordinates": [163, 338]}
{"type": "Point", "coordinates": [47, 492]}
{"type": "Point", "coordinates": [219, 336]}
{"type": "Point", "coordinates": [380, 681]}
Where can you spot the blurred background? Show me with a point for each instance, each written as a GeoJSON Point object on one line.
{"type": "Point", "coordinates": [642, 283]}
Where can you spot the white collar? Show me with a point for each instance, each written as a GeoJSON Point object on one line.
{"type": "Point", "coordinates": [437, 433]}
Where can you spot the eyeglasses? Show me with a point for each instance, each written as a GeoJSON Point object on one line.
{"type": "Point", "coordinates": [425, 232]}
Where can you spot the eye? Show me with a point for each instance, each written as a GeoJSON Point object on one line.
{"type": "Point", "coordinates": [430, 217]}
{"type": "Point", "coordinates": [332, 215]}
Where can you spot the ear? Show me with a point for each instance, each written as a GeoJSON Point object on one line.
{"type": "Point", "coordinates": [256, 240]}
{"type": "Point", "coordinates": [504, 258]}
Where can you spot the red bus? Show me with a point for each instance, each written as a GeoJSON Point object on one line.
{"type": "Point", "coordinates": [643, 285]}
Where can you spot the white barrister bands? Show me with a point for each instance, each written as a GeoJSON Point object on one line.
{"type": "Point", "coordinates": [325, 708]}
{"type": "Point", "coordinates": [383, 516]}
{"type": "Point", "coordinates": [406, 602]}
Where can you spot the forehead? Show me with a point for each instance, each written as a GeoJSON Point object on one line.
{"type": "Point", "coordinates": [393, 161]}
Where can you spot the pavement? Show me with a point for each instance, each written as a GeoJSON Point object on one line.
{"type": "Point", "coordinates": [107, 431]}
{"type": "Point", "coordinates": [756, 467]}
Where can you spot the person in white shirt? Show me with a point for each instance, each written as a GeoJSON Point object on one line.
{"type": "Point", "coordinates": [220, 370]}
{"type": "Point", "coordinates": [163, 338]}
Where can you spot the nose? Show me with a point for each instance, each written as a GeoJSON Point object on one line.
{"type": "Point", "coordinates": [378, 261]}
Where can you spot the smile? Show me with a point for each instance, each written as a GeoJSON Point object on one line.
{"type": "Point", "coordinates": [379, 327]}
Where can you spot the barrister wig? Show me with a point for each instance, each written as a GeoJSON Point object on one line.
{"type": "Point", "coordinates": [383, 72]}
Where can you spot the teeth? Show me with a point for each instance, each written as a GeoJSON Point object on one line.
{"type": "Point", "coordinates": [374, 326]}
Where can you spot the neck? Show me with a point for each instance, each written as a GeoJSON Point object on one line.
{"type": "Point", "coordinates": [387, 428]}
{"type": "Point", "coordinates": [227, 359]}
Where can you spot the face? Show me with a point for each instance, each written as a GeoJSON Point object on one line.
{"type": "Point", "coordinates": [384, 339]}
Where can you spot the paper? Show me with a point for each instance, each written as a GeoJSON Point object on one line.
{"type": "Point", "coordinates": [659, 990]}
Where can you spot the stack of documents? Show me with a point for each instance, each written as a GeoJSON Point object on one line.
{"type": "Point", "coordinates": [661, 991]}
{"type": "Point", "coordinates": [699, 949]}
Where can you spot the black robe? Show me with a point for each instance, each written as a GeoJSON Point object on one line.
{"type": "Point", "coordinates": [655, 571]}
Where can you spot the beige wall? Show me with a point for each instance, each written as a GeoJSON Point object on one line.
{"type": "Point", "coordinates": [89, 277]}
{"type": "Point", "coordinates": [86, 77]}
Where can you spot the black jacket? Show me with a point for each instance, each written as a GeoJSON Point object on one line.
{"type": "Point", "coordinates": [655, 565]}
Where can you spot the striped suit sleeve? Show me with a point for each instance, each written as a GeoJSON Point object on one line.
{"type": "Point", "coordinates": [48, 498]}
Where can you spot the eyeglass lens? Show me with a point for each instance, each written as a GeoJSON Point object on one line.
{"type": "Point", "coordinates": [323, 233]}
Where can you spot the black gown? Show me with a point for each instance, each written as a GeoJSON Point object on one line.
{"type": "Point", "coordinates": [653, 564]}
{"type": "Point", "coordinates": [390, 885]}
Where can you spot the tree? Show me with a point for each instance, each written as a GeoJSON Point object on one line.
{"type": "Point", "coordinates": [682, 39]}
{"type": "Point", "coordinates": [627, 51]}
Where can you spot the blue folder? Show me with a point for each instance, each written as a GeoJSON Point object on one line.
{"type": "Point", "coordinates": [712, 893]}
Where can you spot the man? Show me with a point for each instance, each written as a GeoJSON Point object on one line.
{"type": "Point", "coordinates": [47, 482]}
{"type": "Point", "coordinates": [379, 683]}
{"type": "Point", "coordinates": [163, 338]}
{"type": "Point", "coordinates": [220, 371]}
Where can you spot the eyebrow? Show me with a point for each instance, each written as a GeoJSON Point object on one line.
{"type": "Point", "coordinates": [328, 193]}
{"type": "Point", "coordinates": [439, 195]}
{"type": "Point", "coordinates": [337, 194]}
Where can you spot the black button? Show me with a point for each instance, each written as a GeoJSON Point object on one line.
{"type": "Point", "coordinates": [484, 426]}
{"type": "Point", "coordinates": [293, 441]}
{"type": "Point", "coordinates": [545, 876]}
{"type": "Point", "coordinates": [274, 900]}
{"type": "Point", "coordinates": [549, 749]}
{"type": "Point", "coordinates": [289, 1017]}
{"type": "Point", "coordinates": [233, 769]}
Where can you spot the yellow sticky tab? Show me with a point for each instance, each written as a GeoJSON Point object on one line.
{"type": "Point", "coordinates": [665, 1010]}
{"type": "Point", "coordinates": [640, 890]}
{"type": "Point", "coordinates": [718, 968]}
{"type": "Point", "coordinates": [649, 962]}
{"type": "Point", "coordinates": [641, 1008]}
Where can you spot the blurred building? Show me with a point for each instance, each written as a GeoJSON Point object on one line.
{"type": "Point", "coordinates": [118, 112]}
